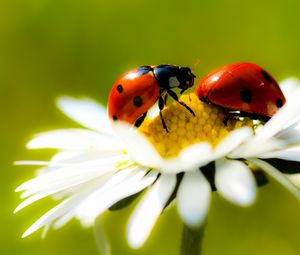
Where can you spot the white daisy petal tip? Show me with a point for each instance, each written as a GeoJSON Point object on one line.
{"type": "Point", "coordinates": [295, 179]}
{"type": "Point", "coordinates": [19, 188]}
{"type": "Point", "coordinates": [25, 234]}
{"type": "Point", "coordinates": [29, 231]}
{"type": "Point", "coordinates": [148, 210]}
{"type": "Point", "coordinates": [32, 143]}
{"type": "Point", "coordinates": [289, 85]}
{"type": "Point", "coordinates": [86, 112]}
{"type": "Point", "coordinates": [17, 209]}
{"type": "Point", "coordinates": [286, 116]}
{"type": "Point", "coordinates": [193, 199]}
{"type": "Point", "coordinates": [235, 182]}
{"type": "Point", "coordinates": [277, 175]}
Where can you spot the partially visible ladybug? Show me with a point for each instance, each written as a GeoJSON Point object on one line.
{"type": "Point", "coordinates": [136, 91]}
{"type": "Point", "coordinates": [245, 89]}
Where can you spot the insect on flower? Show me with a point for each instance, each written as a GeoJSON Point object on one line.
{"type": "Point", "coordinates": [100, 166]}
{"type": "Point", "coordinates": [136, 91]}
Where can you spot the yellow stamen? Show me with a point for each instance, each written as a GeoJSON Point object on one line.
{"type": "Point", "coordinates": [186, 129]}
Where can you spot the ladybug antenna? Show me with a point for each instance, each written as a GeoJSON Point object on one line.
{"type": "Point", "coordinates": [197, 63]}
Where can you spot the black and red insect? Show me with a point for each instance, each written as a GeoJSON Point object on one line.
{"type": "Point", "coordinates": [245, 89]}
{"type": "Point", "coordinates": [136, 91]}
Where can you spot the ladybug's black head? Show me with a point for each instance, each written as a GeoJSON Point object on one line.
{"type": "Point", "coordinates": [171, 76]}
{"type": "Point", "coordinates": [186, 78]}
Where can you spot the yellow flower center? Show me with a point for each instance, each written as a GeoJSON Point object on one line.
{"type": "Point", "coordinates": [185, 129]}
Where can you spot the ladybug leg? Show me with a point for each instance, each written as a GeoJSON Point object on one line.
{"type": "Point", "coordinates": [187, 107]}
{"type": "Point", "coordinates": [175, 97]}
{"type": "Point", "coordinates": [140, 120]}
{"type": "Point", "coordinates": [161, 105]}
{"type": "Point", "coordinates": [238, 114]}
{"type": "Point", "coordinates": [231, 114]}
{"type": "Point", "coordinates": [166, 98]}
{"type": "Point", "coordinates": [225, 121]}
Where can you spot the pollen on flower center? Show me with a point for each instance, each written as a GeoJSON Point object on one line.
{"type": "Point", "coordinates": [186, 129]}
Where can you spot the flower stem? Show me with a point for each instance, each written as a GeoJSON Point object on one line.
{"type": "Point", "coordinates": [191, 241]}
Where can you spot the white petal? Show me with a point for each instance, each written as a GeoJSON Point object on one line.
{"type": "Point", "coordinates": [256, 148]}
{"type": "Point", "coordinates": [233, 140]}
{"type": "Point", "coordinates": [295, 179]}
{"type": "Point", "coordinates": [183, 162]}
{"type": "Point", "coordinates": [290, 135]}
{"type": "Point", "coordinates": [64, 155]}
{"type": "Point", "coordinates": [62, 158]}
{"type": "Point", "coordinates": [195, 155]}
{"type": "Point", "coordinates": [74, 139]}
{"type": "Point", "coordinates": [65, 207]}
{"type": "Point", "coordinates": [67, 175]}
{"type": "Point", "coordinates": [148, 210]}
{"type": "Point", "coordinates": [51, 215]}
{"type": "Point", "coordinates": [45, 231]}
{"type": "Point", "coordinates": [117, 188]}
{"type": "Point", "coordinates": [144, 153]}
{"type": "Point", "coordinates": [86, 112]}
{"type": "Point", "coordinates": [189, 158]}
{"type": "Point", "coordinates": [171, 166]}
{"type": "Point", "coordinates": [288, 86]}
{"type": "Point", "coordinates": [288, 154]}
{"type": "Point", "coordinates": [235, 182]}
{"type": "Point", "coordinates": [47, 190]}
{"type": "Point", "coordinates": [285, 117]}
{"type": "Point", "coordinates": [86, 160]}
{"type": "Point", "coordinates": [63, 220]}
{"type": "Point", "coordinates": [193, 198]}
{"type": "Point", "coordinates": [61, 189]}
{"type": "Point", "coordinates": [102, 239]}
{"type": "Point", "coordinates": [277, 175]}
{"type": "Point", "coordinates": [85, 156]}
{"type": "Point", "coordinates": [137, 145]}
{"type": "Point", "coordinates": [32, 163]}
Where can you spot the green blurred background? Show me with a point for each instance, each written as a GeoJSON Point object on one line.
{"type": "Point", "coordinates": [54, 47]}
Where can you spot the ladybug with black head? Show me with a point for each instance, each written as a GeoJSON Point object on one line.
{"type": "Point", "coordinates": [245, 89]}
{"type": "Point", "coordinates": [136, 91]}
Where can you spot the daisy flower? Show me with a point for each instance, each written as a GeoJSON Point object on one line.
{"type": "Point", "coordinates": [99, 167]}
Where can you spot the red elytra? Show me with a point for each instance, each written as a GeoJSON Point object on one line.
{"type": "Point", "coordinates": [243, 87]}
{"type": "Point", "coordinates": [127, 101]}
{"type": "Point", "coordinates": [136, 91]}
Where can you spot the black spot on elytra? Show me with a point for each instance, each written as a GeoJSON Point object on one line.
{"type": "Point", "coordinates": [137, 101]}
{"type": "Point", "coordinates": [246, 95]}
{"type": "Point", "coordinates": [144, 70]}
{"type": "Point", "coordinates": [115, 118]}
{"type": "Point", "coordinates": [266, 76]}
{"type": "Point", "coordinates": [120, 88]}
{"type": "Point", "coordinates": [279, 102]}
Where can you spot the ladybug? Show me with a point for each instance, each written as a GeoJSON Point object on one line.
{"type": "Point", "coordinates": [136, 91]}
{"type": "Point", "coordinates": [245, 89]}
